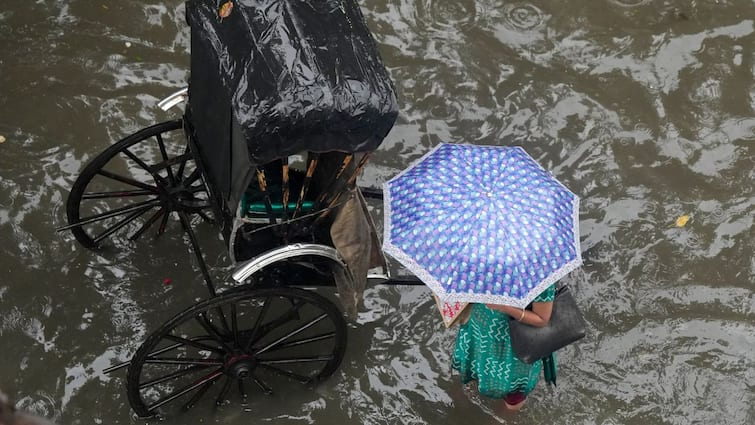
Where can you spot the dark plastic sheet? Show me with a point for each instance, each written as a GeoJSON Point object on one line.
{"type": "Point", "coordinates": [292, 75]}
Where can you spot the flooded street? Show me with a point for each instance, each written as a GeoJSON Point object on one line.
{"type": "Point", "coordinates": [644, 109]}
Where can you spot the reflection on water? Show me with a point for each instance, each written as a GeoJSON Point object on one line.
{"type": "Point", "coordinates": [646, 109]}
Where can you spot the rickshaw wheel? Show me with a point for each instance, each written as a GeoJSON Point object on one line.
{"type": "Point", "coordinates": [250, 341]}
{"type": "Point", "coordinates": [136, 184]}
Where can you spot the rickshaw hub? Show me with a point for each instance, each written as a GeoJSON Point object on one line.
{"type": "Point", "coordinates": [182, 198]}
{"type": "Point", "coordinates": [240, 366]}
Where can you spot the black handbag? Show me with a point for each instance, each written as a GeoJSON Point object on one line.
{"type": "Point", "coordinates": [531, 343]}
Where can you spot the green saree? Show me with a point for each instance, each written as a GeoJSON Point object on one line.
{"type": "Point", "coordinates": [483, 353]}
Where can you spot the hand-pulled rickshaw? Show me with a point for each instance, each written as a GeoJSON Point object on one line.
{"type": "Point", "coordinates": [285, 102]}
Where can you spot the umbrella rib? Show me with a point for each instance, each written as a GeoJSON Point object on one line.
{"type": "Point", "coordinates": [452, 184]}
{"type": "Point", "coordinates": [472, 166]}
{"type": "Point", "coordinates": [430, 220]}
{"type": "Point", "coordinates": [478, 180]}
{"type": "Point", "coordinates": [473, 232]}
{"type": "Point", "coordinates": [523, 212]}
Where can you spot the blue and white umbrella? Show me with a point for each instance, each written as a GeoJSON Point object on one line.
{"type": "Point", "coordinates": [482, 224]}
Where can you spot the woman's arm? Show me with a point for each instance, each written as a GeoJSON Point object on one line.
{"type": "Point", "coordinates": [538, 317]}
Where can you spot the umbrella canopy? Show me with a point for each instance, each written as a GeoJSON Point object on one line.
{"type": "Point", "coordinates": [482, 224]}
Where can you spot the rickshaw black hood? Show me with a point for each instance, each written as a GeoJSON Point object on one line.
{"type": "Point", "coordinates": [289, 76]}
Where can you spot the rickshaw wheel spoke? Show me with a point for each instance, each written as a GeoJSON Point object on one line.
{"type": "Point", "coordinates": [195, 343]}
{"type": "Point", "coordinates": [147, 224]}
{"type": "Point", "coordinates": [198, 395]}
{"type": "Point", "coordinates": [289, 316]}
{"type": "Point", "coordinates": [223, 391]}
{"type": "Point", "coordinates": [291, 360]}
{"type": "Point", "coordinates": [300, 378]}
{"type": "Point", "coordinates": [187, 389]}
{"type": "Point", "coordinates": [242, 391]}
{"type": "Point", "coordinates": [128, 180]}
{"type": "Point", "coordinates": [163, 225]}
{"type": "Point", "coordinates": [257, 322]}
{"type": "Point", "coordinates": [177, 365]}
{"type": "Point", "coordinates": [182, 165]}
{"type": "Point", "coordinates": [302, 341]}
{"type": "Point", "coordinates": [114, 192]}
{"type": "Point", "coordinates": [262, 385]}
{"type": "Point", "coordinates": [179, 361]}
{"type": "Point", "coordinates": [174, 375]}
{"type": "Point", "coordinates": [193, 177]}
{"type": "Point", "coordinates": [164, 154]}
{"type": "Point", "coordinates": [118, 194]}
{"type": "Point", "coordinates": [285, 337]}
{"type": "Point", "coordinates": [119, 225]}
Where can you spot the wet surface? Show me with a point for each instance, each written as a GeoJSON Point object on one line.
{"type": "Point", "coordinates": [645, 109]}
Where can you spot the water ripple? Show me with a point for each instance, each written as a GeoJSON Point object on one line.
{"type": "Point", "coordinates": [449, 16]}
{"type": "Point", "coordinates": [522, 25]}
{"type": "Point", "coordinates": [523, 16]}
{"type": "Point", "coordinates": [629, 3]}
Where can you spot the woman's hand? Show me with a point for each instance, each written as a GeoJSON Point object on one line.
{"type": "Point", "coordinates": [538, 317]}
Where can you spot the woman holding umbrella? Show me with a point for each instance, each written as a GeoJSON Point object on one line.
{"type": "Point", "coordinates": [483, 350]}
{"type": "Point", "coordinates": [486, 225]}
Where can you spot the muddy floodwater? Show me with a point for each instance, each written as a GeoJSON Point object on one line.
{"type": "Point", "coordinates": [645, 109]}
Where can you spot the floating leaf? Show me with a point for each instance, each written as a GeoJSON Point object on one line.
{"type": "Point", "coordinates": [2, 139]}
{"type": "Point", "coordinates": [225, 9]}
{"type": "Point", "coordinates": [682, 220]}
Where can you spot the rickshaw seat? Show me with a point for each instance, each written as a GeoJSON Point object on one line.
{"type": "Point", "coordinates": [253, 203]}
{"type": "Point", "coordinates": [260, 207]}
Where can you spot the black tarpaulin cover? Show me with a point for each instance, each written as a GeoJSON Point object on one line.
{"type": "Point", "coordinates": [291, 75]}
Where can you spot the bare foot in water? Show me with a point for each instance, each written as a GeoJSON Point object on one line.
{"type": "Point", "coordinates": [513, 402]}
{"type": "Point", "coordinates": [513, 407]}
